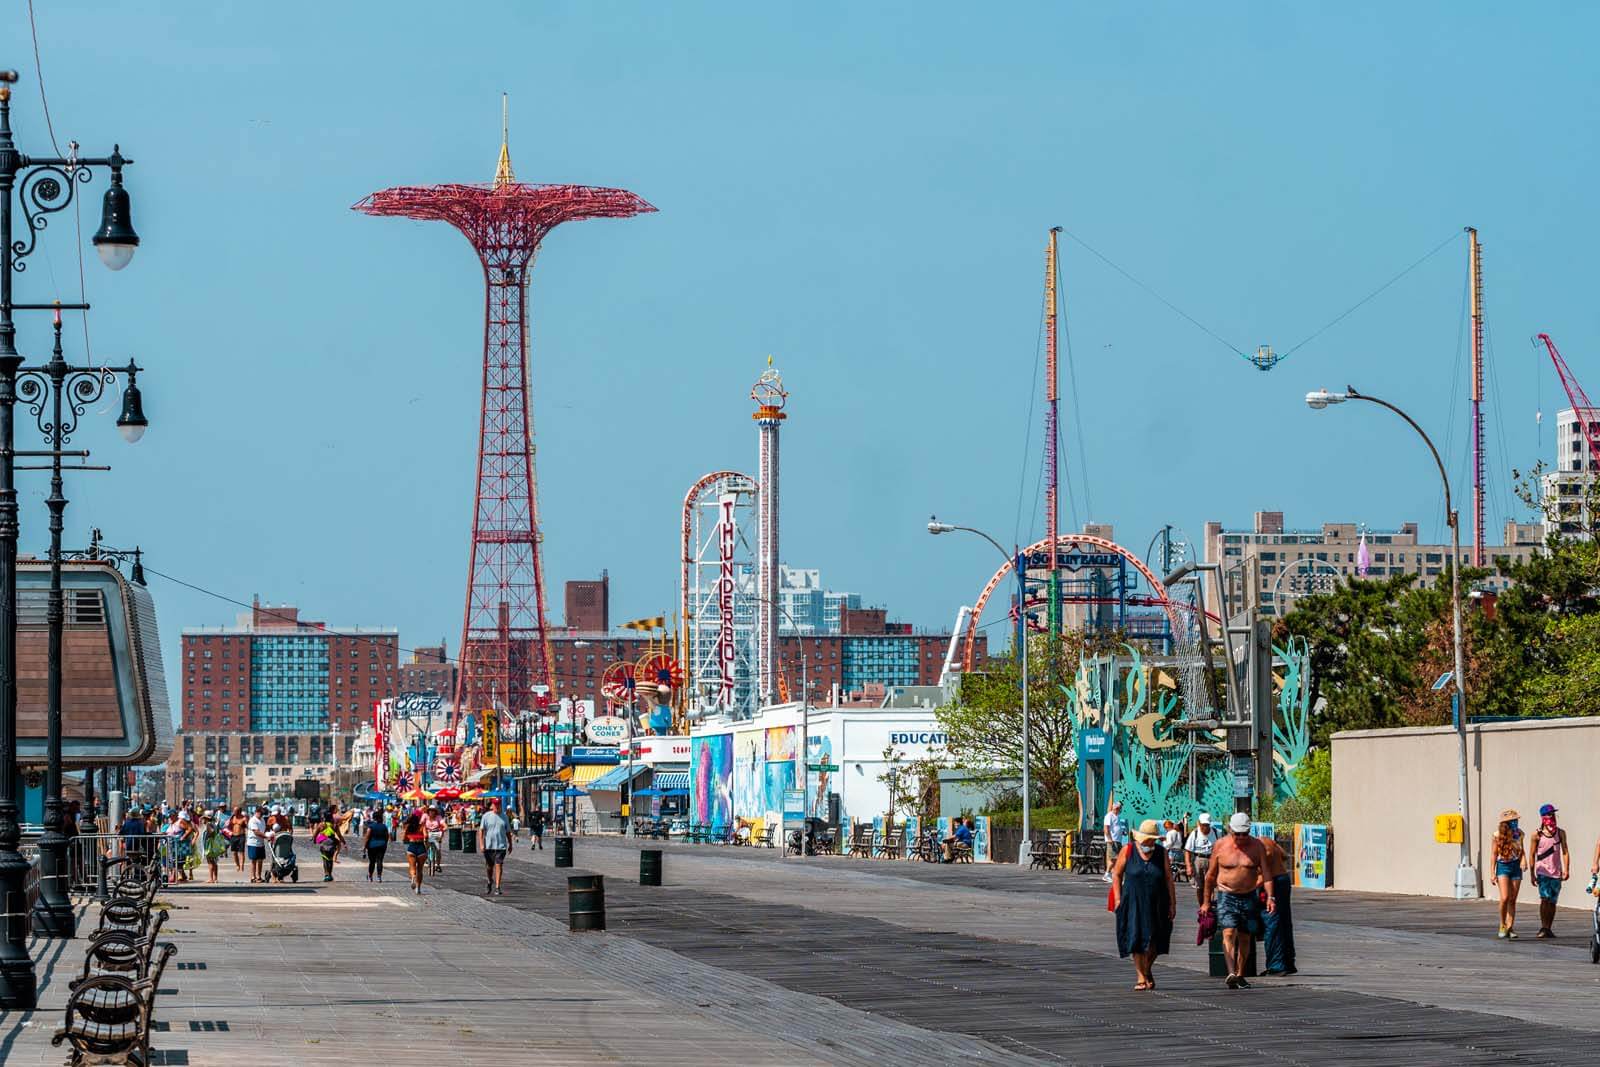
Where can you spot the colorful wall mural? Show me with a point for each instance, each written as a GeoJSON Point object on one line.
{"type": "Point", "coordinates": [1124, 714]}
{"type": "Point", "coordinates": [711, 780]}
{"type": "Point", "coordinates": [819, 752]}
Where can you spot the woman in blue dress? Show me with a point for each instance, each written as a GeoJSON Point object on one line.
{"type": "Point", "coordinates": [1145, 903]}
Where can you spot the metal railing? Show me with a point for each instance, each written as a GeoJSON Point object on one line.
{"type": "Point", "coordinates": [85, 852]}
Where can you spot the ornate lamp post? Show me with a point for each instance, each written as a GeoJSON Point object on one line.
{"type": "Point", "coordinates": [43, 185]}
{"type": "Point", "coordinates": [56, 395]}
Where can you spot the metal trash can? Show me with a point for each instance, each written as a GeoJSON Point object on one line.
{"type": "Point", "coordinates": [469, 839]}
{"type": "Point", "coordinates": [650, 866]}
{"type": "Point", "coordinates": [563, 852]}
{"type": "Point", "coordinates": [455, 839]}
{"type": "Point", "coordinates": [586, 902]}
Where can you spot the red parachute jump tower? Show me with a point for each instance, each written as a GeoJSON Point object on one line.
{"type": "Point", "coordinates": [505, 649]}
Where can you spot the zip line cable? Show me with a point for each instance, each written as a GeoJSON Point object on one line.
{"type": "Point", "coordinates": [1174, 308]}
{"type": "Point", "coordinates": [1359, 303]}
{"type": "Point", "coordinates": [1241, 353]}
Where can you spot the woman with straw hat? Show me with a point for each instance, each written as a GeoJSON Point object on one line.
{"type": "Point", "coordinates": [1145, 902]}
{"type": "Point", "coordinates": [1510, 854]}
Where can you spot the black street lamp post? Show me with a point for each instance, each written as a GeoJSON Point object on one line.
{"type": "Point", "coordinates": [43, 186]}
{"type": "Point", "coordinates": [56, 395]}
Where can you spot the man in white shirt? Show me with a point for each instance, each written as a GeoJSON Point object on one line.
{"type": "Point", "coordinates": [255, 843]}
{"type": "Point", "coordinates": [1116, 831]}
{"type": "Point", "coordinates": [1197, 853]}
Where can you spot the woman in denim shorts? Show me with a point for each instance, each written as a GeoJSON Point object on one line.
{"type": "Point", "coordinates": [1510, 852]}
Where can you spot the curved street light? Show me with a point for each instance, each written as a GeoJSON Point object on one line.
{"type": "Point", "coordinates": [1014, 558]}
{"type": "Point", "coordinates": [1466, 873]}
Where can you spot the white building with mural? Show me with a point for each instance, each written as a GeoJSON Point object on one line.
{"type": "Point", "coordinates": [739, 770]}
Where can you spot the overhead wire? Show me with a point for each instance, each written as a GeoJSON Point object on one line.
{"type": "Point", "coordinates": [1456, 375]}
{"type": "Point", "coordinates": [77, 203]}
{"type": "Point", "coordinates": [1027, 433]}
{"type": "Point", "coordinates": [1077, 418]}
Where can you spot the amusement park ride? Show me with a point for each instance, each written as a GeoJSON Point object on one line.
{"type": "Point", "coordinates": [505, 652]}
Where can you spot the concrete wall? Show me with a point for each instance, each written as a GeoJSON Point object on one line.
{"type": "Point", "coordinates": [1389, 784]}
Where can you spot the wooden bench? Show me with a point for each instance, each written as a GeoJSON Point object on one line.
{"type": "Point", "coordinates": [1089, 854]}
{"type": "Point", "coordinates": [762, 838]}
{"type": "Point", "coordinates": [125, 913]}
{"type": "Point", "coordinates": [960, 853]}
{"type": "Point", "coordinates": [894, 845]}
{"type": "Point", "coordinates": [827, 843]}
{"type": "Point", "coordinates": [861, 841]}
{"type": "Point", "coordinates": [1048, 855]}
{"type": "Point", "coordinates": [121, 952]}
{"type": "Point", "coordinates": [108, 1017]}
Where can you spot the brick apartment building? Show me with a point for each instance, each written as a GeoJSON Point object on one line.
{"type": "Point", "coordinates": [272, 672]}
{"type": "Point", "coordinates": [429, 670]}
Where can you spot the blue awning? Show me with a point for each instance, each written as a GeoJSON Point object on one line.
{"type": "Point", "coordinates": [617, 777]}
{"type": "Point", "coordinates": [671, 780]}
{"type": "Point", "coordinates": [660, 792]}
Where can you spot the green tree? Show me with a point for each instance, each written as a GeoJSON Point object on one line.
{"type": "Point", "coordinates": [983, 725]}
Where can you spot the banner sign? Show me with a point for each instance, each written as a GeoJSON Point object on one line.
{"type": "Point", "coordinates": [382, 715]}
{"type": "Point", "coordinates": [660, 749]}
{"type": "Point", "coordinates": [726, 537]}
{"type": "Point", "coordinates": [1312, 862]}
{"type": "Point", "coordinates": [491, 732]}
{"type": "Point", "coordinates": [417, 703]}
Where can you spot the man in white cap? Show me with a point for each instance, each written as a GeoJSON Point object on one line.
{"type": "Point", "coordinates": [1115, 828]}
{"type": "Point", "coordinates": [1236, 872]}
{"type": "Point", "coordinates": [1197, 854]}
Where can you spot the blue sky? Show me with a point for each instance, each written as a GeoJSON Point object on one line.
{"type": "Point", "coordinates": [864, 191]}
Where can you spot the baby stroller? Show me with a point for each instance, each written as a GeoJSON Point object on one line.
{"type": "Point", "coordinates": [284, 866]}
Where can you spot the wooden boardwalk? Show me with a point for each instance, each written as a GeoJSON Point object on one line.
{"type": "Point", "coordinates": [1045, 1001]}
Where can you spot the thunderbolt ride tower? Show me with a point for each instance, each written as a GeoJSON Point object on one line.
{"type": "Point", "coordinates": [770, 396]}
{"type": "Point", "coordinates": [504, 645]}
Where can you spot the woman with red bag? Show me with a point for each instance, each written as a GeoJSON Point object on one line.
{"type": "Point", "coordinates": [1146, 904]}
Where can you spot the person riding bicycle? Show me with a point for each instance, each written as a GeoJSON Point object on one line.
{"type": "Point", "coordinates": [435, 825]}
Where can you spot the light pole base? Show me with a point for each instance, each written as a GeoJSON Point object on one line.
{"type": "Point", "coordinates": [55, 920]}
{"type": "Point", "coordinates": [19, 989]}
{"type": "Point", "coordinates": [1025, 853]}
{"type": "Point", "coordinates": [1466, 883]}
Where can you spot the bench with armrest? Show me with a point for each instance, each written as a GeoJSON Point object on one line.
{"type": "Point", "coordinates": [108, 1017]}
{"type": "Point", "coordinates": [861, 841]}
{"type": "Point", "coordinates": [1089, 853]}
{"type": "Point", "coordinates": [1047, 854]}
{"type": "Point", "coordinates": [894, 845]}
{"type": "Point", "coordinates": [121, 952]}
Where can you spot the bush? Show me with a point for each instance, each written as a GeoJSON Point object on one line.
{"type": "Point", "coordinates": [1060, 818]}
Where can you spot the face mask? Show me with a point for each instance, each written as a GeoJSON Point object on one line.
{"type": "Point", "coordinates": [1146, 847]}
{"type": "Point", "coordinates": [1547, 820]}
{"type": "Point", "coordinates": [1512, 826]}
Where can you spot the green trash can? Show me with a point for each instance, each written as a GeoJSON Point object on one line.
{"type": "Point", "coordinates": [586, 902]}
{"type": "Point", "coordinates": [455, 839]}
{"type": "Point", "coordinates": [650, 866]}
{"type": "Point", "coordinates": [563, 852]}
{"type": "Point", "coordinates": [469, 839]}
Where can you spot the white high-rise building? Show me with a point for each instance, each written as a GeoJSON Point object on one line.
{"type": "Point", "coordinates": [1569, 482]}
